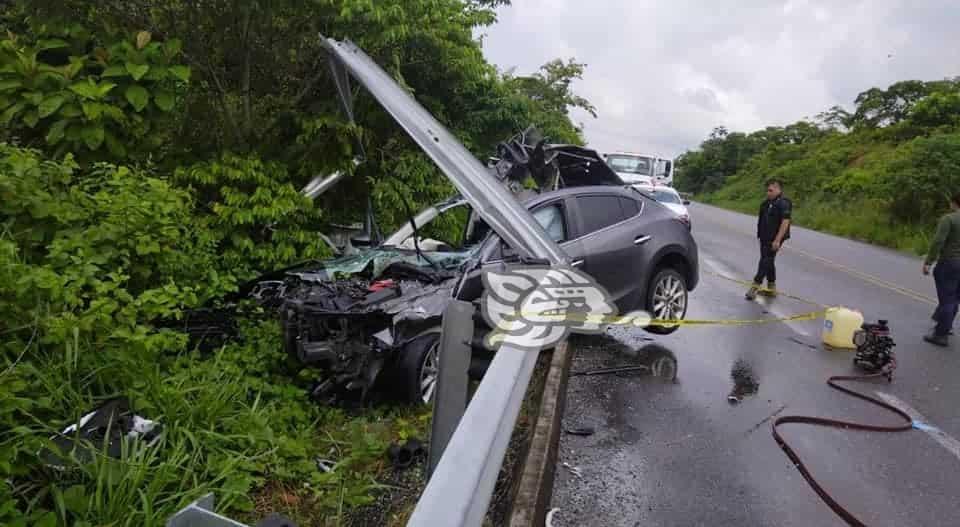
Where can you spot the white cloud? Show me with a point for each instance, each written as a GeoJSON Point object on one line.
{"type": "Point", "coordinates": [663, 74]}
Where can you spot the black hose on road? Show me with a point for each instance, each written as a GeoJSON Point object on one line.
{"type": "Point", "coordinates": [821, 421]}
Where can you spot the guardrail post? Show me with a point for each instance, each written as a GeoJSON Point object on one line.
{"type": "Point", "coordinates": [450, 399]}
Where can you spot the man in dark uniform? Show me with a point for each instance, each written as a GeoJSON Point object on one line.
{"type": "Point", "coordinates": [773, 228]}
{"type": "Point", "coordinates": [945, 251]}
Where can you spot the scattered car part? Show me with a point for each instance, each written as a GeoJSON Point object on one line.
{"type": "Point", "coordinates": [200, 514]}
{"type": "Point", "coordinates": [573, 470]}
{"type": "Point", "coordinates": [607, 371]}
{"type": "Point", "coordinates": [580, 431]}
{"type": "Point", "coordinates": [102, 430]}
{"type": "Point", "coordinates": [403, 456]}
{"type": "Point", "coordinates": [326, 465]}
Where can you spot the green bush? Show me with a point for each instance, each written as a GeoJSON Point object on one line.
{"type": "Point", "coordinates": [62, 89]}
{"type": "Point", "coordinates": [260, 220]}
{"type": "Point", "coordinates": [924, 174]}
{"type": "Point", "coordinates": [88, 258]}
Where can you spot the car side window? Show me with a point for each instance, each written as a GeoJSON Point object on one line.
{"type": "Point", "coordinates": [551, 219]}
{"type": "Point", "coordinates": [630, 206]}
{"type": "Point", "coordinates": [600, 211]}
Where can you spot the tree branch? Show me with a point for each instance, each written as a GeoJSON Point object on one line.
{"type": "Point", "coordinates": [247, 114]}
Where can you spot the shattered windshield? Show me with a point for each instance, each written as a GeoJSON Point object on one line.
{"type": "Point", "coordinates": [630, 164]}
{"type": "Point", "coordinates": [372, 262]}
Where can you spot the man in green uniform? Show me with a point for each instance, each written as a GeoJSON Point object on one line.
{"type": "Point", "coordinates": [945, 251]}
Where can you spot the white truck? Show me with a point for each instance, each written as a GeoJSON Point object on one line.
{"type": "Point", "coordinates": [641, 169]}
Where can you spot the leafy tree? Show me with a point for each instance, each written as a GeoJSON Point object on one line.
{"type": "Point", "coordinates": [551, 86]}
{"type": "Point", "coordinates": [835, 118]}
{"type": "Point", "coordinates": [877, 108]}
{"type": "Point", "coordinates": [939, 109]}
{"type": "Point", "coordinates": [255, 217]}
{"type": "Point", "coordinates": [260, 86]}
{"type": "Point", "coordinates": [922, 176]}
{"type": "Point", "coordinates": [63, 89]}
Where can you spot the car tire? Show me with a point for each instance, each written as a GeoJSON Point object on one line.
{"type": "Point", "coordinates": [419, 367]}
{"type": "Point", "coordinates": [665, 286]}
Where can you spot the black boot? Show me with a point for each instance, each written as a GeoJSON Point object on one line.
{"type": "Point", "coordinates": [937, 340]}
{"type": "Point", "coordinates": [752, 292]}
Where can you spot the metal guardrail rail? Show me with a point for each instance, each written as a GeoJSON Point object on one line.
{"type": "Point", "coordinates": [459, 491]}
{"type": "Point", "coordinates": [489, 198]}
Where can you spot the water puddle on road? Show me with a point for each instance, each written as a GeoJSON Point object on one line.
{"type": "Point", "coordinates": [621, 358]}
{"type": "Point", "coordinates": [745, 382]}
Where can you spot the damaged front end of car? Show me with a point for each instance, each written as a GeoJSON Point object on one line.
{"type": "Point", "coordinates": [367, 328]}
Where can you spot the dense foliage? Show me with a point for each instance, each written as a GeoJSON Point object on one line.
{"type": "Point", "coordinates": [151, 156]}
{"type": "Point", "coordinates": [881, 173]}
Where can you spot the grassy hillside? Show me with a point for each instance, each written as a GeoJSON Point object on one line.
{"type": "Point", "coordinates": [881, 178]}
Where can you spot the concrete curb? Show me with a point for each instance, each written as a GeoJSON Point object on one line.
{"type": "Point", "coordinates": [535, 488]}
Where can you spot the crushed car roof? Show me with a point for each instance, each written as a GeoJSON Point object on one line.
{"type": "Point", "coordinates": [551, 166]}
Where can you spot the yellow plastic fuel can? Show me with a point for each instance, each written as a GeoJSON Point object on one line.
{"type": "Point", "coordinates": [839, 324]}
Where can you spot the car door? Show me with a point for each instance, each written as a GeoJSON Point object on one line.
{"type": "Point", "coordinates": [613, 243]}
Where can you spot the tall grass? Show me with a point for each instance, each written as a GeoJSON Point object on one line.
{"type": "Point", "coordinates": [237, 424]}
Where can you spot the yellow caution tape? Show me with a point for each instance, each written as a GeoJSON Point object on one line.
{"type": "Point", "coordinates": [645, 321]}
{"type": "Point", "coordinates": [762, 289]}
{"type": "Point", "coordinates": [641, 321]}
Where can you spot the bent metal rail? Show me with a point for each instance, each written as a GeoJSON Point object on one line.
{"type": "Point", "coordinates": [461, 486]}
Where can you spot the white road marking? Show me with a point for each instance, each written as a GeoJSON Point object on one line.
{"type": "Point", "coordinates": [946, 440]}
{"type": "Point", "coordinates": [720, 268]}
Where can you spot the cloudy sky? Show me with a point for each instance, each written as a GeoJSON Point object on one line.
{"type": "Point", "coordinates": [663, 73]}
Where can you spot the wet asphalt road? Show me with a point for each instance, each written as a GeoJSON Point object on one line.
{"type": "Point", "coordinates": [678, 453]}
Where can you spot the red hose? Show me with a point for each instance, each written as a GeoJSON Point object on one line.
{"type": "Point", "coordinates": [821, 421]}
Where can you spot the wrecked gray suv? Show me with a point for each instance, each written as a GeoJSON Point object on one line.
{"type": "Point", "coordinates": [373, 317]}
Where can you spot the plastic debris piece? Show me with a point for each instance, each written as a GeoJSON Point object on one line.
{"type": "Point", "coordinates": [403, 456]}
{"type": "Point", "coordinates": [580, 431]}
